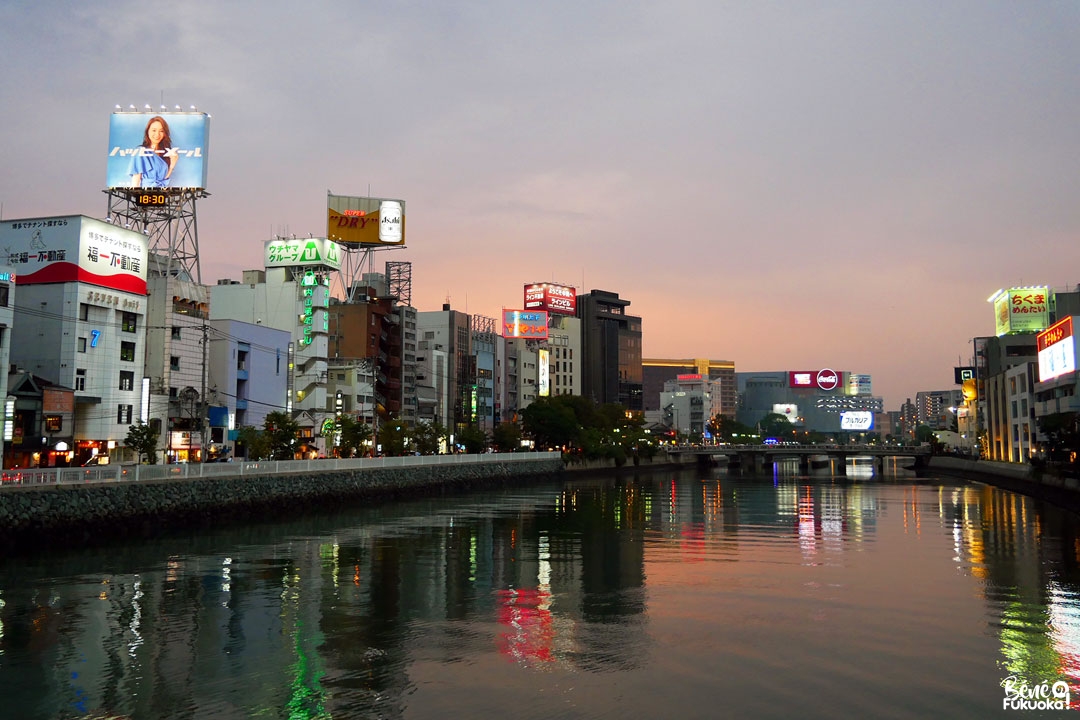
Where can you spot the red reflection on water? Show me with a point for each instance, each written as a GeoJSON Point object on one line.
{"type": "Point", "coordinates": [692, 542]}
{"type": "Point", "coordinates": [529, 633]}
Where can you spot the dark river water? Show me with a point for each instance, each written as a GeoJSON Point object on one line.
{"type": "Point", "coordinates": [658, 595]}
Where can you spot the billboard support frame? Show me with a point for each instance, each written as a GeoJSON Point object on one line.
{"type": "Point", "coordinates": [355, 262]}
{"type": "Point", "coordinates": [172, 226]}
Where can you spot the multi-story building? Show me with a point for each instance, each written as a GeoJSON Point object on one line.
{"type": "Point", "coordinates": [82, 319]}
{"type": "Point", "coordinates": [41, 431]}
{"type": "Point", "coordinates": [485, 342]}
{"type": "Point", "coordinates": [292, 294]}
{"type": "Point", "coordinates": [450, 331]}
{"type": "Point", "coordinates": [611, 350]}
{"type": "Point", "coordinates": [937, 408]}
{"type": "Point", "coordinates": [433, 384]}
{"type": "Point", "coordinates": [1009, 397]}
{"type": "Point", "coordinates": [656, 372]}
{"type": "Point", "coordinates": [1006, 371]}
{"type": "Point", "coordinates": [176, 360]}
{"type": "Point", "coordinates": [908, 420]}
{"type": "Point", "coordinates": [247, 377]}
{"type": "Point", "coordinates": [1056, 386]}
{"type": "Point", "coordinates": [688, 403]}
{"type": "Point", "coordinates": [564, 342]}
{"type": "Point", "coordinates": [1058, 381]}
{"type": "Point", "coordinates": [813, 400]}
{"type": "Point", "coordinates": [351, 387]}
{"type": "Point", "coordinates": [522, 376]}
{"type": "Point", "coordinates": [406, 319]}
{"type": "Point", "coordinates": [7, 320]}
{"type": "Point", "coordinates": [367, 328]}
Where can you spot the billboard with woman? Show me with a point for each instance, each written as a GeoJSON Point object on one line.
{"type": "Point", "coordinates": [158, 150]}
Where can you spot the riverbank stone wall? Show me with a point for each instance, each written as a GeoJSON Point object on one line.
{"type": "Point", "coordinates": [64, 512]}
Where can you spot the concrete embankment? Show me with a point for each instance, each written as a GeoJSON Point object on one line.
{"type": "Point", "coordinates": [1061, 491]}
{"type": "Point", "coordinates": [662, 461]}
{"type": "Point", "coordinates": [65, 513]}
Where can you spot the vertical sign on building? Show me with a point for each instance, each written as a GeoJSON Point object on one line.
{"type": "Point", "coordinates": [544, 370]}
{"type": "Point", "coordinates": [1057, 350]}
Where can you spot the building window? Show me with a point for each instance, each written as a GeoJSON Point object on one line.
{"type": "Point", "coordinates": [174, 362]}
{"type": "Point", "coordinates": [128, 321]}
{"type": "Point", "coordinates": [84, 311]}
{"type": "Point", "coordinates": [4, 293]}
{"type": "Point", "coordinates": [173, 392]}
{"type": "Point", "coordinates": [80, 379]}
{"type": "Point", "coordinates": [81, 343]}
{"type": "Point", "coordinates": [54, 423]}
{"type": "Point", "coordinates": [127, 351]}
{"type": "Point", "coordinates": [175, 333]}
{"type": "Point", "coordinates": [123, 414]}
{"type": "Point", "coordinates": [127, 380]}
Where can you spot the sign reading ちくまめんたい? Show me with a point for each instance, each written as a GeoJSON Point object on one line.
{"type": "Point", "coordinates": [1021, 309]}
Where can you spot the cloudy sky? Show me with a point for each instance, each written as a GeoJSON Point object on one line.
{"type": "Point", "coordinates": [788, 185]}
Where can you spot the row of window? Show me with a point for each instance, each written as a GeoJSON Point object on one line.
{"type": "Point", "coordinates": [129, 321]}
{"type": "Point", "coordinates": [127, 349]}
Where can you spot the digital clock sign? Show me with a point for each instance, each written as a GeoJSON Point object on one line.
{"type": "Point", "coordinates": [146, 199]}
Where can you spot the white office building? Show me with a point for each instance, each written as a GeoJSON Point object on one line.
{"type": "Point", "coordinates": [564, 340]}
{"type": "Point", "coordinates": [82, 318]}
{"type": "Point", "coordinates": [292, 294]}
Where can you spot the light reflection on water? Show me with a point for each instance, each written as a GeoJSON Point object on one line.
{"type": "Point", "coordinates": [643, 596]}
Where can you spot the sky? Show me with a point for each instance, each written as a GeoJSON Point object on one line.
{"type": "Point", "coordinates": [785, 185]}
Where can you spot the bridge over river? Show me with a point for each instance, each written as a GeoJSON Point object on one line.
{"type": "Point", "coordinates": [757, 457]}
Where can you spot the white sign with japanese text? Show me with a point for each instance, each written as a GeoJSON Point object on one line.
{"type": "Point", "coordinates": [75, 248]}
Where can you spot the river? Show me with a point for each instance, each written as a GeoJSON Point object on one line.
{"type": "Point", "coordinates": [682, 594]}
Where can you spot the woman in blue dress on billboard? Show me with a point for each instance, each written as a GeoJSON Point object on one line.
{"type": "Point", "coordinates": [152, 166]}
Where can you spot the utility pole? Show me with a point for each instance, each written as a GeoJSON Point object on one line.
{"type": "Point", "coordinates": [203, 406]}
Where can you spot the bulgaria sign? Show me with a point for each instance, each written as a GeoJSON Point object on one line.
{"type": "Point", "coordinates": [856, 420]}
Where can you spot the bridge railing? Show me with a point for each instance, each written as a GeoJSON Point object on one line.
{"type": "Point", "coordinates": [21, 477]}
{"type": "Point", "coordinates": [793, 447]}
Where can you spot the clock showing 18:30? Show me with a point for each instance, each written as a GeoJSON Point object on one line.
{"type": "Point", "coordinates": [151, 198]}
